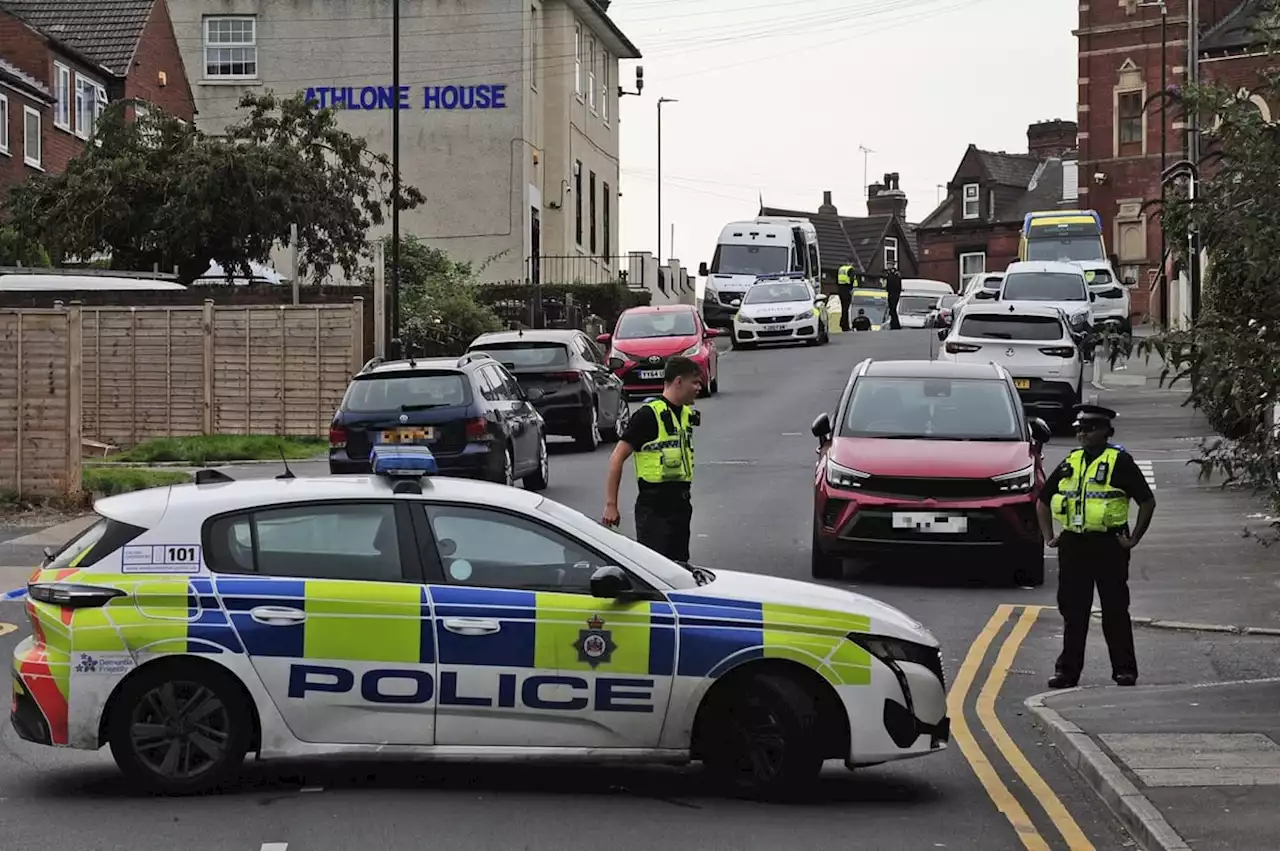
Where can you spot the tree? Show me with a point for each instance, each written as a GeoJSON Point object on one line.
{"type": "Point", "coordinates": [158, 191]}
{"type": "Point", "coordinates": [1230, 357]}
{"type": "Point", "coordinates": [17, 250]}
{"type": "Point", "coordinates": [441, 310]}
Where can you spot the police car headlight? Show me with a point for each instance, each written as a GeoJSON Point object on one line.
{"type": "Point", "coordinates": [844, 477]}
{"type": "Point", "coordinates": [691, 351]}
{"type": "Point", "coordinates": [891, 651]}
{"type": "Point", "coordinates": [1019, 481]}
{"type": "Point", "coordinates": [709, 293]}
{"type": "Point", "coordinates": [745, 320]}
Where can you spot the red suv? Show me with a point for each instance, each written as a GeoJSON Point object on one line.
{"type": "Point", "coordinates": [645, 337]}
{"type": "Point", "coordinates": [929, 458]}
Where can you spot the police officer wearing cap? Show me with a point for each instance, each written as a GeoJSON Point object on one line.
{"type": "Point", "coordinates": [1088, 494]}
{"type": "Point", "coordinates": [661, 438]}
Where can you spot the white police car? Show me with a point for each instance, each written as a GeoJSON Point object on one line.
{"type": "Point", "coordinates": [401, 614]}
{"type": "Point", "coordinates": [780, 309]}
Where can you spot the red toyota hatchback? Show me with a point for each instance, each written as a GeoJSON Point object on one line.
{"type": "Point", "coordinates": [646, 337]}
{"type": "Point", "coordinates": [929, 459]}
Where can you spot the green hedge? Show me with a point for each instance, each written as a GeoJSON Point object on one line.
{"type": "Point", "coordinates": [604, 300]}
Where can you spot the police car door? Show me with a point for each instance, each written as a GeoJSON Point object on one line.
{"type": "Point", "coordinates": [527, 656]}
{"type": "Point", "coordinates": [328, 602]}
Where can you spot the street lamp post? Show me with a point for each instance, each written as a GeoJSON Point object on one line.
{"type": "Point", "coordinates": [393, 335]}
{"type": "Point", "coordinates": [661, 101]}
{"type": "Point", "coordinates": [1164, 134]}
{"type": "Point", "coordinates": [1193, 150]}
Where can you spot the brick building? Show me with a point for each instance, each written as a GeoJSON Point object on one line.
{"type": "Point", "coordinates": [977, 226]}
{"type": "Point", "coordinates": [870, 242]}
{"type": "Point", "coordinates": [63, 61]}
{"type": "Point", "coordinates": [1120, 116]}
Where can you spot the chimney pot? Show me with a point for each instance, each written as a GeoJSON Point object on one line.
{"type": "Point", "coordinates": [826, 197]}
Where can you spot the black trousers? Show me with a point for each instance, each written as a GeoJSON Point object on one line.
{"type": "Point", "coordinates": [894, 323]}
{"type": "Point", "coordinates": [1086, 560]}
{"type": "Point", "coordinates": [662, 522]}
{"type": "Point", "coordinates": [846, 305]}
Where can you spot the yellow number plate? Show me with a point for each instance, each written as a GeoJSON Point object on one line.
{"type": "Point", "coordinates": [407, 435]}
{"type": "Point", "coordinates": [1022, 383]}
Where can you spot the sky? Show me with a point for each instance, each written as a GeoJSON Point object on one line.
{"type": "Point", "coordinates": [776, 99]}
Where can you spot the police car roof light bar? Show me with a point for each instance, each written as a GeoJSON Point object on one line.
{"type": "Point", "coordinates": [403, 462]}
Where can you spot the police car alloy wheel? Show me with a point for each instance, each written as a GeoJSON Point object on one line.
{"type": "Point", "coordinates": [179, 728]}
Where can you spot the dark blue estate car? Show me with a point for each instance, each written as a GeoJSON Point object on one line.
{"type": "Point", "coordinates": [469, 411]}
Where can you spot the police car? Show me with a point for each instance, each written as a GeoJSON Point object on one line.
{"type": "Point", "coordinates": [409, 615]}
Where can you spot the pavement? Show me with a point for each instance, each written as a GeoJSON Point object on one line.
{"type": "Point", "coordinates": [1011, 780]}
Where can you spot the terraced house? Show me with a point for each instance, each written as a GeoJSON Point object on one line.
{"type": "Point", "coordinates": [63, 61]}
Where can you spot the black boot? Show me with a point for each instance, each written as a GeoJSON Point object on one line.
{"type": "Point", "coordinates": [1061, 680]}
{"type": "Point", "coordinates": [1126, 679]}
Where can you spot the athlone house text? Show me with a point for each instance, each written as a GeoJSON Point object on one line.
{"type": "Point", "coordinates": [484, 96]}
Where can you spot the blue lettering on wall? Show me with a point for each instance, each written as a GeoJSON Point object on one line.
{"type": "Point", "coordinates": [483, 96]}
{"type": "Point", "coordinates": [610, 694]}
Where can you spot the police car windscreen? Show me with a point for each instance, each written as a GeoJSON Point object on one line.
{"type": "Point", "coordinates": [750, 260]}
{"type": "Point", "coordinates": [537, 356]}
{"type": "Point", "coordinates": [1043, 286]}
{"type": "Point", "coordinates": [416, 391]}
{"type": "Point", "coordinates": [776, 293]}
{"type": "Point", "coordinates": [930, 409]}
{"type": "Point", "coordinates": [999, 326]}
{"type": "Point", "coordinates": [916, 305]}
{"type": "Point", "coordinates": [647, 325]}
{"type": "Point", "coordinates": [862, 300]}
{"type": "Point", "coordinates": [1066, 248]}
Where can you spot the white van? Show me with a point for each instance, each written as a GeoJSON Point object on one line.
{"type": "Point", "coordinates": [20, 283]}
{"type": "Point", "coordinates": [746, 251]}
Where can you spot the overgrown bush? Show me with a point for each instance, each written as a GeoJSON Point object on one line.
{"type": "Point", "coordinates": [1230, 358]}
{"type": "Point", "coordinates": [604, 300]}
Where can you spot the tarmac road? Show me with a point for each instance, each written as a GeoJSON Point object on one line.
{"type": "Point", "coordinates": [752, 512]}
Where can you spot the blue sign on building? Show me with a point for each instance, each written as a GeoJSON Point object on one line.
{"type": "Point", "coordinates": [483, 96]}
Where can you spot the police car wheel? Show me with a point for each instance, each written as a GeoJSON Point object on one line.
{"type": "Point", "coordinates": [179, 730]}
{"type": "Point", "coordinates": [766, 732]}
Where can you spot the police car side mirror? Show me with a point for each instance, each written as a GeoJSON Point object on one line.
{"type": "Point", "coordinates": [1093, 296]}
{"type": "Point", "coordinates": [702, 269]}
{"type": "Point", "coordinates": [611, 582]}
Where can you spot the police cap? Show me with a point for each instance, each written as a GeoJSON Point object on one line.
{"type": "Point", "coordinates": [1093, 414]}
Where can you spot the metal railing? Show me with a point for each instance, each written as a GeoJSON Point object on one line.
{"type": "Point", "coordinates": [549, 270]}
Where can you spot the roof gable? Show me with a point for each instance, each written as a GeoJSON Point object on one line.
{"type": "Point", "coordinates": [104, 31]}
{"type": "Point", "coordinates": [1009, 169]}
{"type": "Point", "coordinates": [833, 243]}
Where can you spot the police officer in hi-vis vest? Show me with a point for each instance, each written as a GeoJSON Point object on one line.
{"type": "Point", "coordinates": [661, 438]}
{"type": "Point", "coordinates": [846, 280]}
{"type": "Point", "coordinates": [1088, 494]}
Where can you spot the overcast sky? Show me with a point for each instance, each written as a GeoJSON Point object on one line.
{"type": "Point", "coordinates": [776, 98]}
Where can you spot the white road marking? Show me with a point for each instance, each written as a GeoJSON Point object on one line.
{"type": "Point", "coordinates": [1148, 473]}
{"type": "Point", "coordinates": [275, 846]}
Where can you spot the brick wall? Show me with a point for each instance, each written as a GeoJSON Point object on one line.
{"type": "Point", "coordinates": [157, 54]}
{"type": "Point", "coordinates": [940, 250]}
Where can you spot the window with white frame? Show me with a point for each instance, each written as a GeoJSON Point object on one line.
{"type": "Point", "coordinates": [62, 90]}
{"type": "Point", "coordinates": [231, 47]}
{"type": "Point", "coordinates": [890, 252]}
{"type": "Point", "coordinates": [972, 263]}
{"type": "Point", "coordinates": [91, 101]}
{"type": "Point", "coordinates": [971, 197]}
{"type": "Point", "coordinates": [535, 45]}
{"type": "Point", "coordinates": [606, 90]}
{"type": "Point", "coordinates": [4, 124]}
{"type": "Point", "coordinates": [591, 72]}
{"type": "Point", "coordinates": [577, 60]}
{"type": "Point", "coordinates": [32, 144]}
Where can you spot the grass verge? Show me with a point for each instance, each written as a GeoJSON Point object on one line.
{"type": "Point", "coordinates": [213, 448]}
{"type": "Point", "coordinates": [109, 481]}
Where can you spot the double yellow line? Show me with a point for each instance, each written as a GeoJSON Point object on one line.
{"type": "Point", "coordinates": [985, 709]}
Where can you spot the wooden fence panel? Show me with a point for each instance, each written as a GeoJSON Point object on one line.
{"type": "Point", "coordinates": [39, 402]}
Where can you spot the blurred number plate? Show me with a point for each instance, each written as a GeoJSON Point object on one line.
{"type": "Point", "coordinates": [407, 435]}
{"type": "Point", "coordinates": [938, 523]}
{"type": "Point", "coordinates": [1022, 383]}
{"type": "Point", "coordinates": [651, 373]}
{"type": "Point", "coordinates": [775, 327]}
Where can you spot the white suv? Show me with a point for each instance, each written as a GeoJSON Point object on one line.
{"type": "Point", "coordinates": [1112, 304]}
{"type": "Point", "coordinates": [1054, 284]}
{"type": "Point", "coordinates": [1033, 342]}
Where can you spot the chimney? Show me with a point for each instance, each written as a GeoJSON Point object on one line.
{"type": "Point", "coordinates": [887, 199]}
{"type": "Point", "coordinates": [827, 208]}
{"type": "Point", "coordinates": [1051, 138]}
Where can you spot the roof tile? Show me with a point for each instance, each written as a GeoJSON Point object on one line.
{"type": "Point", "coordinates": [105, 31]}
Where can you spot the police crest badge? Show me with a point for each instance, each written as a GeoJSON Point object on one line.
{"type": "Point", "coordinates": [595, 643]}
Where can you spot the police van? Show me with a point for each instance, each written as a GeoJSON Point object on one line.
{"type": "Point", "coordinates": [749, 250]}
